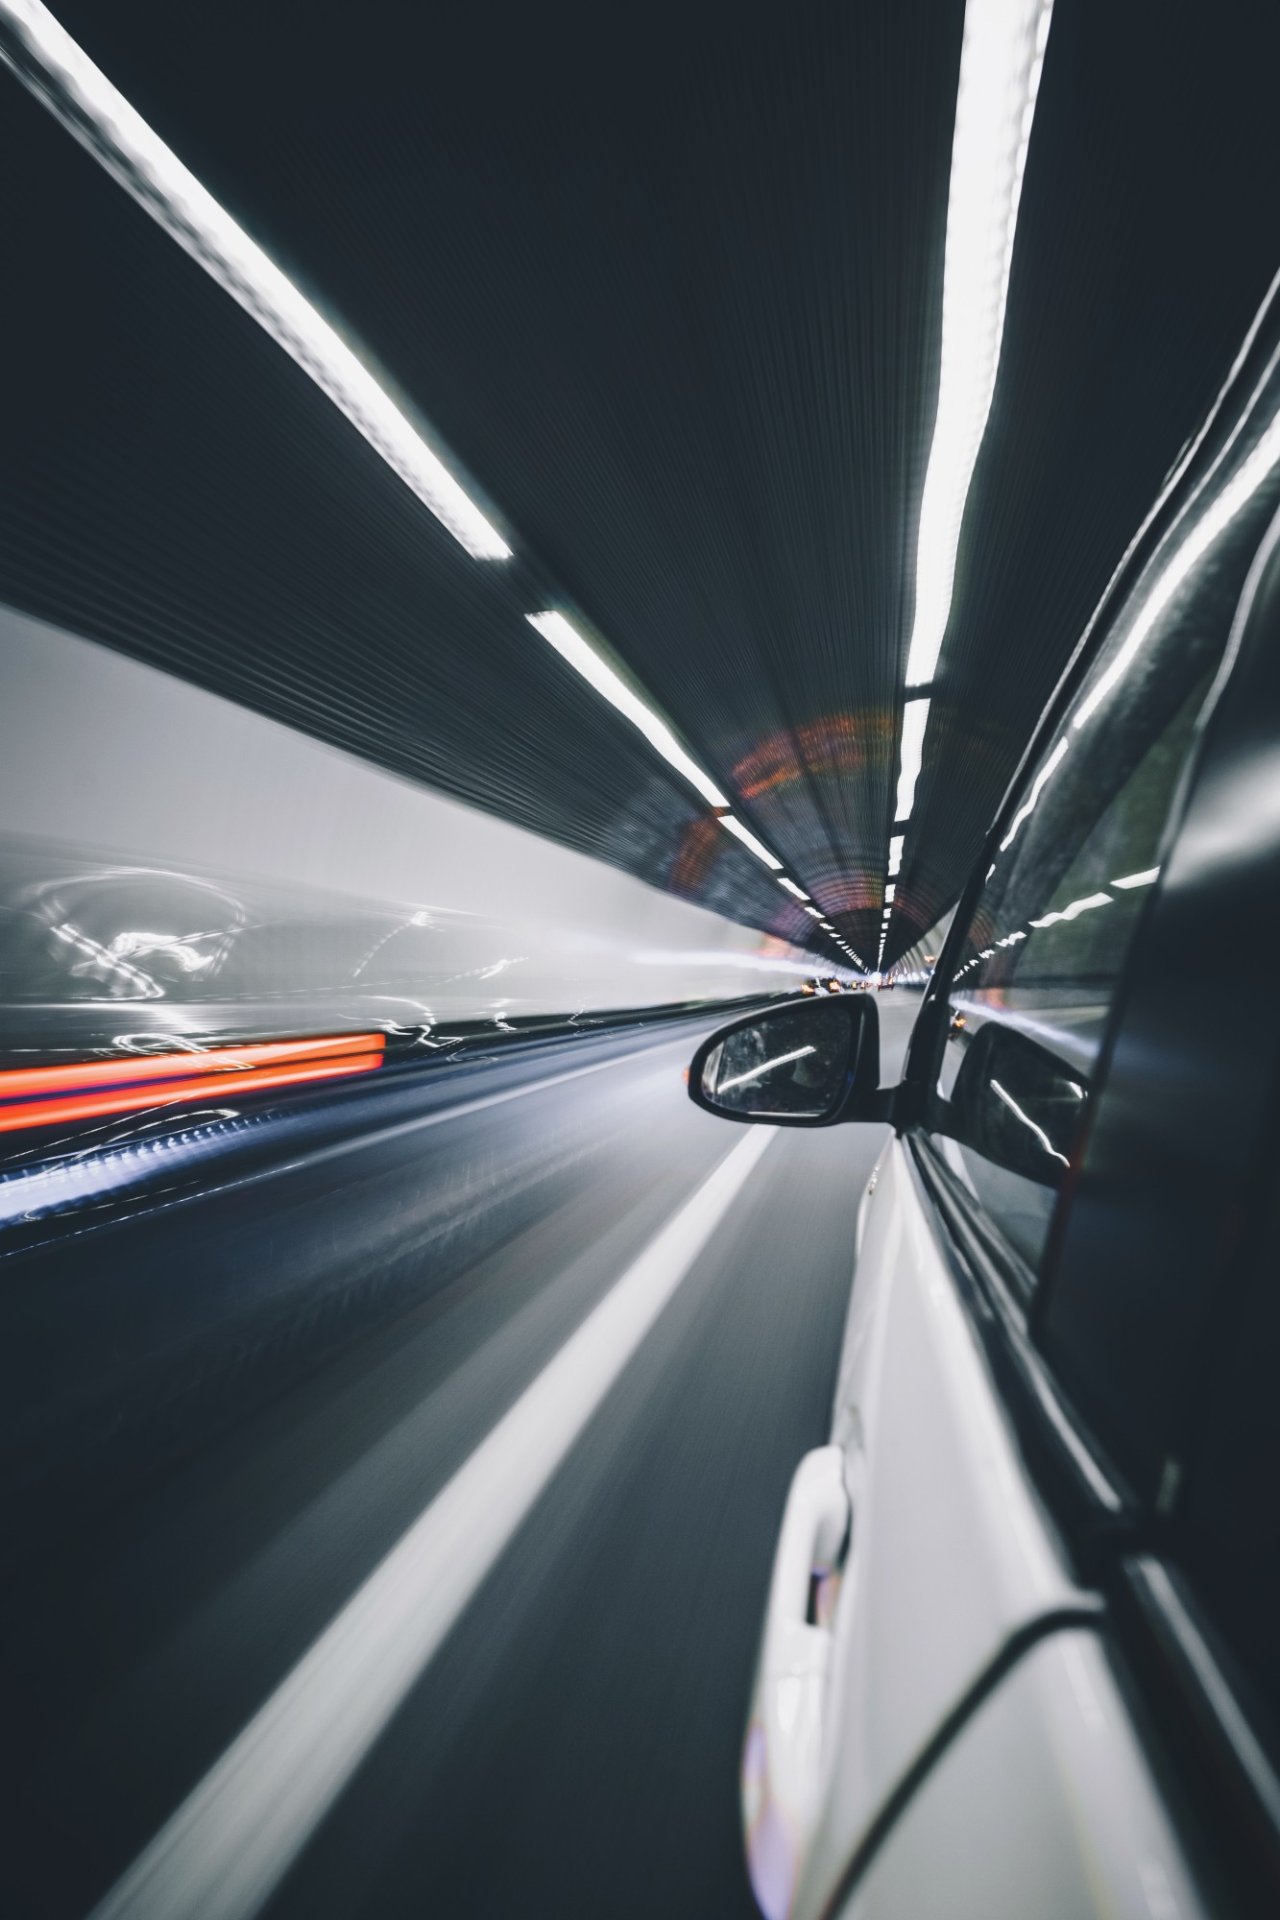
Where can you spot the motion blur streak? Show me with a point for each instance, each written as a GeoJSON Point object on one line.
{"type": "Point", "coordinates": [48, 61]}
{"type": "Point", "coordinates": [133, 1083]}
{"type": "Point", "coordinates": [1000, 68]}
{"type": "Point", "coordinates": [229, 1845]}
{"type": "Point", "coordinates": [320, 888]}
{"type": "Point", "coordinates": [130, 1069]}
{"type": "Point", "coordinates": [241, 1361]}
{"type": "Point", "coordinates": [45, 1113]}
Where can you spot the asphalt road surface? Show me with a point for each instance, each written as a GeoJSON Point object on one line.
{"type": "Point", "coordinates": [389, 1506]}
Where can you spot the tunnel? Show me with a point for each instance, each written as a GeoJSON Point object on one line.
{"type": "Point", "coordinates": [585, 592]}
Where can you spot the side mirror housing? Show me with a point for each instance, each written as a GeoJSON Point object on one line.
{"type": "Point", "coordinates": [810, 1063]}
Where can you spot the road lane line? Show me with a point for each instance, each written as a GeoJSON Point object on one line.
{"type": "Point", "coordinates": [227, 1847]}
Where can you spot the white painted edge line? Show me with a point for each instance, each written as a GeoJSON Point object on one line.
{"type": "Point", "coordinates": [227, 1847]}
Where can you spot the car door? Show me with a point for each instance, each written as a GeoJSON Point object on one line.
{"type": "Point", "coordinates": [1134, 1767]}
{"type": "Point", "coordinates": [947, 1570]}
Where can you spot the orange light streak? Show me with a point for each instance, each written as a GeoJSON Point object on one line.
{"type": "Point", "coordinates": [98, 1087]}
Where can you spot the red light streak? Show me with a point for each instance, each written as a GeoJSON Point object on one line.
{"type": "Point", "coordinates": [133, 1084]}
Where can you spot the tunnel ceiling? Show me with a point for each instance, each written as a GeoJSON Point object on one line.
{"type": "Point", "coordinates": [667, 283]}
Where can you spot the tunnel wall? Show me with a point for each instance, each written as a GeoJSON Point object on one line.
{"type": "Point", "coordinates": [273, 865]}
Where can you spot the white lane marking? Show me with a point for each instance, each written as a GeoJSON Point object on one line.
{"type": "Point", "coordinates": [225, 1850]}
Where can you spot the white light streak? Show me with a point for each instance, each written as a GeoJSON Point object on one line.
{"type": "Point", "coordinates": [1076, 908]}
{"type": "Point", "coordinates": [791, 887]}
{"type": "Point", "coordinates": [765, 1066]}
{"type": "Point", "coordinates": [748, 839]}
{"type": "Point", "coordinates": [813, 913]}
{"type": "Point", "coordinates": [583, 658]}
{"type": "Point", "coordinates": [1001, 61]}
{"type": "Point", "coordinates": [915, 716]}
{"type": "Point", "coordinates": [1028, 1122]}
{"type": "Point", "coordinates": [66, 81]}
{"type": "Point", "coordinates": [1145, 879]}
{"type": "Point", "coordinates": [1000, 66]}
{"type": "Point", "coordinates": [895, 854]}
{"type": "Point", "coordinates": [890, 890]}
{"type": "Point", "coordinates": [1235, 495]}
{"type": "Point", "coordinates": [1028, 806]}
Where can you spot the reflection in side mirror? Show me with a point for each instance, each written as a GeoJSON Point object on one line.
{"type": "Point", "coordinates": [1018, 1104]}
{"type": "Point", "coordinates": [800, 1066]}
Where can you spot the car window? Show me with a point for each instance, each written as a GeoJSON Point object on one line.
{"type": "Point", "coordinates": [1045, 948]}
{"type": "Point", "coordinates": [1226, 1524]}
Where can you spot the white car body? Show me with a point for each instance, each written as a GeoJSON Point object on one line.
{"type": "Point", "coordinates": [1045, 1804]}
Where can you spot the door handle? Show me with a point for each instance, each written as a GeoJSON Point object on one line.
{"type": "Point", "coordinates": [782, 1757]}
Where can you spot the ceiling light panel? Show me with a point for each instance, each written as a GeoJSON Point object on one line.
{"type": "Point", "coordinates": [1001, 61]}
{"type": "Point", "coordinates": [583, 658]}
{"type": "Point", "coordinates": [1000, 66]}
{"type": "Point", "coordinates": [65, 80]}
{"type": "Point", "coordinates": [748, 839]}
{"type": "Point", "coordinates": [915, 716]}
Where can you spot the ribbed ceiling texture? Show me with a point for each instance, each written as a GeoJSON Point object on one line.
{"type": "Point", "coordinates": [667, 285]}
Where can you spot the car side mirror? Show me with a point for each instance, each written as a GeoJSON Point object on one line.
{"type": "Point", "coordinates": [806, 1064]}
{"type": "Point", "coordinates": [1017, 1104]}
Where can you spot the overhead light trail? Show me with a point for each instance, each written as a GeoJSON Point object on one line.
{"type": "Point", "coordinates": [595, 670]}
{"type": "Point", "coordinates": [1001, 61]}
{"type": "Point", "coordinates": [129, 1083]}
{"type": "Point", "coordinates": [586, 660]}
{"type": "Point", "coordinates": [915, 715]}
{"type": "Point", "coordinates": [748, 839]}
{"type": "Point", "coordinates": [48, 62]}
{"type": "Point", "coordinates": [60, 74]}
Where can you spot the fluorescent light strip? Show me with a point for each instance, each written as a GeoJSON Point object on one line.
{"type": "Point", "coordinates": [791, 887]}
{"type": "Point", "coordinates": [583, 658]}
{"type": "Point", "coordinates": [53, 68]}
{"type": "Point", "coordinates": [1000, 65]}
{"type": "Point", "coordinates": [813, 912]}
{"type": "Point", "coordinates": [748, 839]}
{"type": "Point", "coordinates": [1001, 61]}
{"type": "Point", "coordinates": [915, 717]}
{"type": "Point", "coordinates": [1146, 879]}
{"type": "Point", "coordinates": [895, 854]}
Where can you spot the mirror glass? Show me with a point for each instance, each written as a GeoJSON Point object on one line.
{"type": "Point", "coordinates": [792, 1064]}
{"type": "Point", "coordinates": [1018, 1104]}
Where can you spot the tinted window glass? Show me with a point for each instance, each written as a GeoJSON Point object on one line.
{"type": "Point", "coordinates": [1227, 1529]}
{"type": "Point", "coordinates": [1047, 942]}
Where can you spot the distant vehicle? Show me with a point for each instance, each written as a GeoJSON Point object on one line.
{"type": "Point", "coordinates": [835, 986]}
{"type": "Point", "coordinates": [1021, 1654]}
